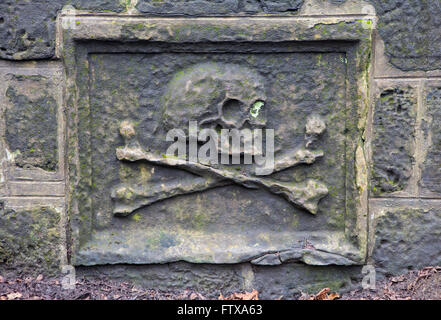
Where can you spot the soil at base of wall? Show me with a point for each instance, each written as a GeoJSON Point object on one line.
{"type": "Point", "coordinates": [424, 284]}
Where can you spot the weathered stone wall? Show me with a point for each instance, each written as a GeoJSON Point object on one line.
{"type": "Point", "coordinates": [401, 140]}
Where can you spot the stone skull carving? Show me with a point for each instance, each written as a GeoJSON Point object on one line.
{"type": "Point", "coordinates": [216, 96]}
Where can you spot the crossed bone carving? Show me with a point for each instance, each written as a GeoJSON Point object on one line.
{"type": "Point", "coordinates": [128, 198]}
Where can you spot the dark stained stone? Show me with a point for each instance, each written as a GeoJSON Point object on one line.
{"type": "Point", "coordinates": [392, 146]}
{"type": "Point", "coordinates": [29, 240]}
{"type": "Point", "coordinates": [431, 168]}
{"type": "Point", "coordinates": [99, 5]}
{"type": "Point", "coordinates": [411, 31]}
{"type": "Point", "coordinates": [407, 239]}
{"type": "Point", "coordinates": [27, 27]}
{"type": "Point", "coordinates": [192, 7]}
{"type": "Point", "coordinates": [31, 122]}
{"type": "Point", "coordinates": [218, 7]}
{"type": "Point", "coordinates": [338, 2]}
{"type": "Point", "coordinates": [281, 5]}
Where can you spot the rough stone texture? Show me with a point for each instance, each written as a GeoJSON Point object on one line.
{"type": "Point", "coordinates": [393, 140]}
{"type": "Point", "coordinates": [31, 121]}
{"type": "Point", "coordinates": [218, 7]}
{"type": "Point", "coordinates": [211, 280]}
{"type": "Point", "coordinates": [123, 88]}
{"type": "Point", "coordinates": [230, 223]}
{"type": "Point", "coordinates": [431, 168]}
{"type": "Point", "coordinates": [407, 239]}
{"type": "Point", "coordinates": [27, 27]}
{"type": "Point", "coordinates": [291, 279]}
{"type": "Point", "coordinates": [117, 100]}
{"type": "Point", "coordinates": [410, 29]}
{"type": "Point", "coordinates": [338, 2]}
{"type": "Point", "coordinates": [29, 240]}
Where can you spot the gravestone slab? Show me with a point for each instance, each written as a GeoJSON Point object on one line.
{"type": "Point", "coordinates": [130, 80]}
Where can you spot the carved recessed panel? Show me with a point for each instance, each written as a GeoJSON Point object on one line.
{"type": "Point", "coordinates": [131, 203]}
{"type": "Point", "coordinates": [32, 127]}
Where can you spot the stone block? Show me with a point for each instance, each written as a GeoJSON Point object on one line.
{"type": "Point", "coordinates": [30, 240]}
{"type": "Point", "coordinates": [27, 28]}
{"type": "Point", "coordinates": [393, 140]}
{"type": "Point", "coordinates": [410, 29]}
{"type": "Point", "coordinates": [31, 121]}
{"type": "Point", "coordinates": [32, 126]}
{"type": "Point", "coordinates": [430, 182]}
{"type": "Point", "coordinates": [407, 235]}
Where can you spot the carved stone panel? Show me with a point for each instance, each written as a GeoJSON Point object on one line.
{"type": "Point", "coordinates": [32, 129]}
{"type": "Point", "coordinates": [132, 203]}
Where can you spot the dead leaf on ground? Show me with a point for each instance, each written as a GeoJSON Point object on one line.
{"type": "Point", "coordinates": [28, 280]}
{"type": "Point", "coordinates": [425, 273]}
{"type": "Point", "coordinates": [195, 296]}
{"type": "Point", "coordinates": [324, 294]}
{"type": "Point", "coordinates": [39, 278]}
{"type": "Point", "coordinates": [13, 296]}
{"type": "Point", "coordinates": [400, 278]}
{"type": "Point", "coordinates": [253, 295]}
{"type": "Point", "coordinates": [333, 296]}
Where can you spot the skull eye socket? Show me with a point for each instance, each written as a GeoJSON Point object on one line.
{"type": "Point", "coordinates": [232, 110]}
{"type": "Point", "coordinates": [257, 108]}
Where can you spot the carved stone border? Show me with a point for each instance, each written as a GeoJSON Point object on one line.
{"type": "Point", "coordinates": [122, 33]}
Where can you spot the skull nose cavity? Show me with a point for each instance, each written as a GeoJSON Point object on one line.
{"type": "Point", "coordinates": [233, 112]}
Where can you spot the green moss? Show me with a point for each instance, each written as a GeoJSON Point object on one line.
{"type": "Point", "coordinates": [316, 287]}
{"type": "Point", "coordinates": [136, 217]}
{"type": "Point", "coordinates": [29, 240]}
{"type": "Point", "coordinates": [138, 26]}
{"type": "Point", "coordinates": [31, 122]}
